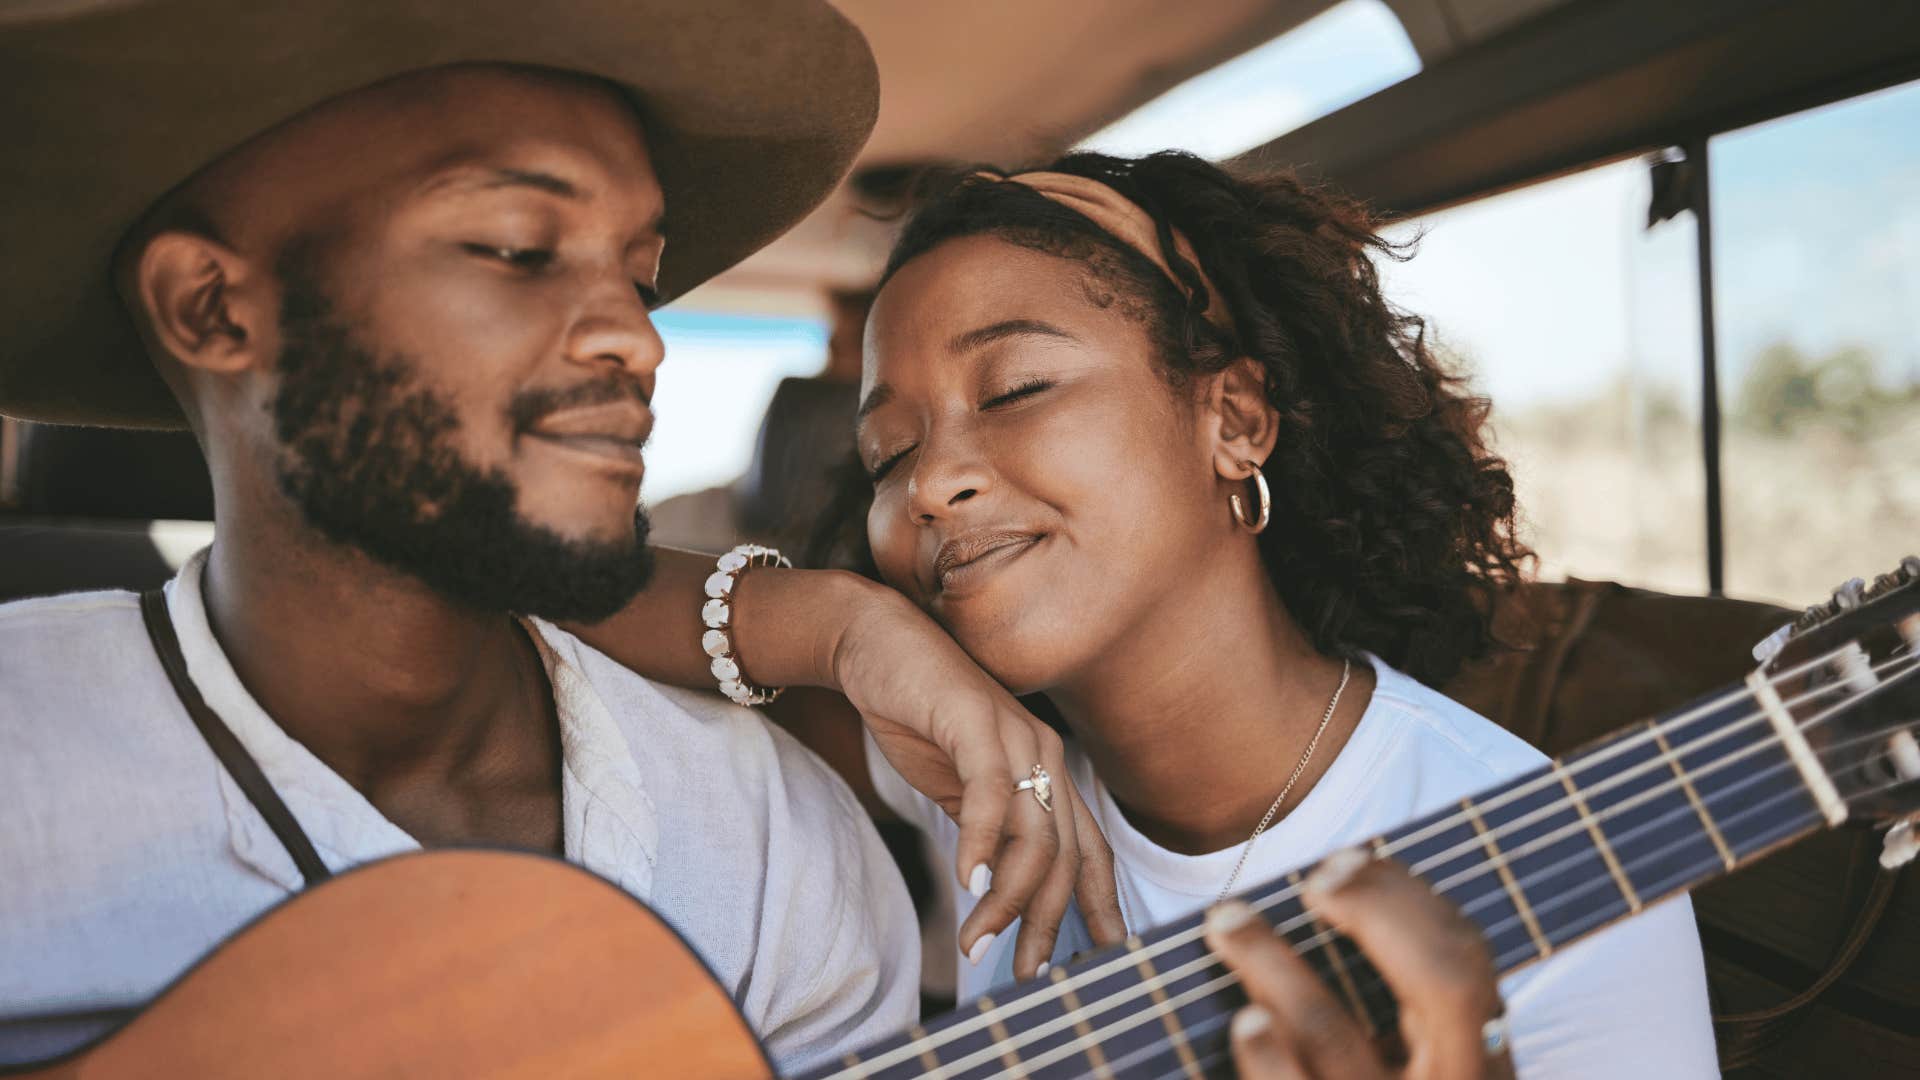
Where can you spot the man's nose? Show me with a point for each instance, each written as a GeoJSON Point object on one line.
{"type": "Point", "coordinates": [945, 475]}
{"type": "Point", "coordinates": [617, 329]}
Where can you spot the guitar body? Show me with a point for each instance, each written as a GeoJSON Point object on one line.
{"type": "Point", "coordinates": [464, 963]}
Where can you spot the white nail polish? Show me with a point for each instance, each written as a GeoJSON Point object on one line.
{"type": "Point", "coordinates": [979, 950]}
{"type": "Point", "coordinates": [980, 881]}
{"type": "Point", "coordinates": [1228, 916]}
{"type": "Point", "coordinates": [1337, 869]}
{"type": "Point", "coordinates": [1251, 1022]}
{"type": "Point", "coordinates": [1044, 968]}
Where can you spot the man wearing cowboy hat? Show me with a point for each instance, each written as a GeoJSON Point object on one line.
{"type": "Point", "coordinates": [394, 262]}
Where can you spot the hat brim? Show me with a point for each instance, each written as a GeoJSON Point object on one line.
{"type": "Point", "coordinates": [754, 111]}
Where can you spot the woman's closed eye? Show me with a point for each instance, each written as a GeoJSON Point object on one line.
{"type": "Point", "coordinates": [879, 472]}
{"type": "Point", "coordinates": [1026, 389]}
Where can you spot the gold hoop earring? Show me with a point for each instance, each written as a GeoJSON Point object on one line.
{"type": "Point", "coordinates": [1266, 502]}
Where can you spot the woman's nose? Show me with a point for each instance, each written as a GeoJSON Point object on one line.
{"type": "Point", "coordinates": [944, 477]}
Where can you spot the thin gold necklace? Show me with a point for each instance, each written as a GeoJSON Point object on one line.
{"type": "Point", "coordinates": [1346, 669]}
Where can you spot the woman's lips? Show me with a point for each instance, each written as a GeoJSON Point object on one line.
{"type": "Point", "coordinates": [966, 561]}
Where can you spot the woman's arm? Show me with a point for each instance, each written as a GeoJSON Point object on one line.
{"type": "Point", "coordinates": [945, 725]}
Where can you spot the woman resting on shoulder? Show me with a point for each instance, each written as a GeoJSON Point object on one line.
{"type": "Point", "coordinates": [1146, 438]}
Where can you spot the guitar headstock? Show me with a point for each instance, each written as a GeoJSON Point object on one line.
{"type": "Point", "coordinates": [1848, 672]}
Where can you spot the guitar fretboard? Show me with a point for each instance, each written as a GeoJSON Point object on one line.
{"type": "Point", "coordinates": [1539, 862]}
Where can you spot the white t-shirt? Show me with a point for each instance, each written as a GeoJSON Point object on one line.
{"type": "Point", "coordinates": [127, 851]}
{"type": "Point", "coordinates": [1630, 1001]}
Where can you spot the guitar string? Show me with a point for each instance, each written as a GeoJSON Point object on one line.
{"type": "Point", "coordinates": [1581, 823]}
{"type": "Point", "coordinates": [1208, 959]}
{"type": "Point", "coordinates": [1047, 994]}
{"type": "Point", "coordinates": [1127, 1022]}
{"type": "Point", "coordinates": [915, 1048]}
{"type": "Point", "coordinates": [1162, 946]}
{"type": "Point", "coordinates": [1171, 1005]}
{"type": "Point", "coordinates": [1161, 1046]}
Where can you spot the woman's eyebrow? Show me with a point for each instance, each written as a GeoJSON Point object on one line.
{"type": "Point", "coordinates": [878, 396]}
{"type": "Point", "coordinates": [1006, 328]}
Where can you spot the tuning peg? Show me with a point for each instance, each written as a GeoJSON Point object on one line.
{"type": "Point", "coordinates": [1770, 646]}
{"type": "Point", "coordinates": [1849, 595]}
{"type": "Point", "coordinates": [1900, 846]}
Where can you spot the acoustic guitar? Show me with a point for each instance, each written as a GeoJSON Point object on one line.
{"type": "Point", "coordinates": [469, 963]}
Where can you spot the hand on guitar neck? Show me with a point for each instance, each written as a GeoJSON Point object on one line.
{"type": "Point", "coordinates": [1431, 956]}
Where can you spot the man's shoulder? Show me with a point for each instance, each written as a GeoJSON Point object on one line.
{"type": "Point", "coordinates": [67, 631]}
{"type": "Point", "coordinates": [752, 746]}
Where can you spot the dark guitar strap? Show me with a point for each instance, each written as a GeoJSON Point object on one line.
{"type": "Point", "coordinates": [225, 745]}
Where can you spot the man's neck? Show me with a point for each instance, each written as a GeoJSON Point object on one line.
{"type": "Point", "coordinates": [387, 682]}
{"type": "Point", "coordinates": [1196, 718]}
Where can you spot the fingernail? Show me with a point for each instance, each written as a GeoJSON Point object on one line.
{"type": "Point", "coordinates": [1228, 916]}
{"type": "Point", "coordinates": [1336, 870]}
{"type": "Point", "coordinates": [979, 950]}
{"type": "Point", "coordinates": [1043, 969]}
{"type": "Point", "coordinates": [1251, 1022]}
{"type": "Point", "coordinates": [979, 881]}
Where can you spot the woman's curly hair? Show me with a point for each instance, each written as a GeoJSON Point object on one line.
{"type": "Point", "coordinates": [1393, 522]}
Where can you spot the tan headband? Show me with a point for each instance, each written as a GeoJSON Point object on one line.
{"type": "Point", "coordinates": [1125, 221]}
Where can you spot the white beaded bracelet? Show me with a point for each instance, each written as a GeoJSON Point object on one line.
{"type": "Point", "coordinates": [717, 613]}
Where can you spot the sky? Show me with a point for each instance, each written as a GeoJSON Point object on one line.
{"type": "Point", "coordinates": [1549, 291]}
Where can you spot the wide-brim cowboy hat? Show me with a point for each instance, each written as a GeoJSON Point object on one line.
{"type": "Point", "coordinates": [753, 109]}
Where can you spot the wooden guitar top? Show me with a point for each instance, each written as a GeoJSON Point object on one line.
{"type": "Point", "coordinates": [454, 963]}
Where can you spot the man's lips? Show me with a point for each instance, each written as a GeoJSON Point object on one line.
{"type": "Point", "coordinates": [613, 432]}
{"type": "Point", "coordinates": [966, 559]}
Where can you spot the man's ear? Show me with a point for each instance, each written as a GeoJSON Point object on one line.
{"type": "Point", "coordinates": [201, 301]}
{"type": "Point", "coordinates": [1245, 424]}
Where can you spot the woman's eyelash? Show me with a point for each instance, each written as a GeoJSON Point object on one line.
{"type": "Point", "coordinates": [1025, 389]}
{"type": "Point", "coordinates": [879, 472]}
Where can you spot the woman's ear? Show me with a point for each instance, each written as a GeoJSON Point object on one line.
{"type": "Point", "coordinates": [1245, 424]}
{"type": "Point", "coordinates": [195, 296]}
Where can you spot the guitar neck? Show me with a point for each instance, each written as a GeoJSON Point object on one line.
{"type": "Point", "coordinates": [1539, 863]}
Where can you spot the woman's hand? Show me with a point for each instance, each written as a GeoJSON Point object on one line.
{"type": "Point", "coordinates": [962, 740]}
{"type": "Point", "coordinates": [946, 726]}
{"type": "Point", "coordinates": [1432, 958]}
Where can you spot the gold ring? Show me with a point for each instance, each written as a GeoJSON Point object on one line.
{"type": "Point", "coordinates": [1041, 785]}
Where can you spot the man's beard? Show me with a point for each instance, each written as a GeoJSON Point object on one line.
{"type": "Point", "coordinates": [367, 453]}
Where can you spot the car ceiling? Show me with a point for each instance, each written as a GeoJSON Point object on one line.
{"type": "Point", "coordinates": [1013, 81]}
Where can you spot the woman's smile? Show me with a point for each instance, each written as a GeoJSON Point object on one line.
{"type": "Point", "coordinates": [966, 562]}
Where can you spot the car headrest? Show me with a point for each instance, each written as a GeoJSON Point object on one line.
{"type": "Point", "coordinates": [113, 473]}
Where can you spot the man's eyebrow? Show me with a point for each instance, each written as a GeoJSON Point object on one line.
{"type": "Point", "coordinates": [463, 179]}
{"type": "Point", "coordinates": [876, 397]}
{"type": "Point", "coordinates": [1006, 328]}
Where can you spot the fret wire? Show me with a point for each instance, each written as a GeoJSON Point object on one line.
{"type": "Point", "coordinates": [1101, 1071]}
{"type": "Point", "coordinates": [1690, 714]}
{"type": "Point", "coordinates": [1009, 1054]}
{"type": "Point", "coordinates": [1201, 1030]}
{"type": "Point", "coordinates": [928, 1060]}
{"type": "Point", "coordinates": [1506, 878]}
{"type": "Point", "coordinates": [1693, 796]}
{"type": "Point", "coordinates": [1167, 1018]}
{"type": "Point", "coordinates": [1599, 839]}
{"type": "Point", "coordinates": [1339, 965]}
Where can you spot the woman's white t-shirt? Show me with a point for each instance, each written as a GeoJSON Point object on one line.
{"type": "Point", "coordinates": [1629, 1001]}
